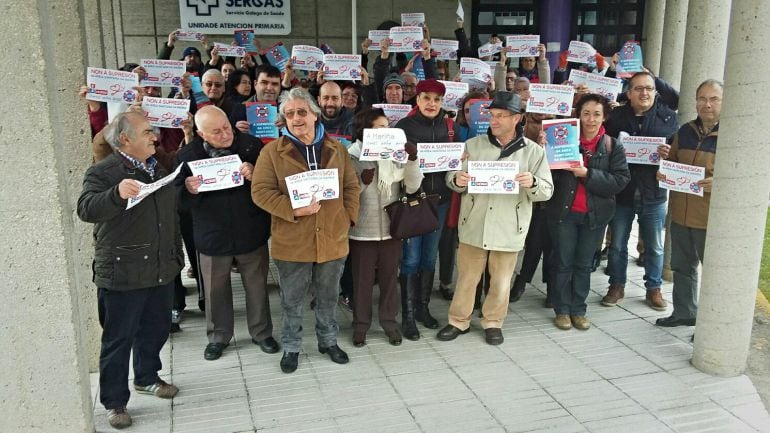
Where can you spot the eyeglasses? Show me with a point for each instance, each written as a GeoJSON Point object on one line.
{"type": "Point", "coordinates": [499, 116]}
{"type": "Point", "coordinates": [212, 84]}
{"type": "Point", "coordinates": [301, 113]}
{"type": "Point", "coordinates": [640, 89]}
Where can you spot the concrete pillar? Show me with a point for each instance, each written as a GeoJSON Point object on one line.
{"type": "Point", "coordinates": [555, 28]}
{"type": "Point", "coordinates": [736, 223]}
{"type": "Point", "coordinates": [672, 51]}
{"type": "Point", "coordinates": [45, 141]}
{"type": "Point", "coordinates": [652, 39]}
{"type": "Point", "coordinates": [704, 50]}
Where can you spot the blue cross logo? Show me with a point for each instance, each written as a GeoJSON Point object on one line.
{"type": "Point", "coordinates": [203, 7]}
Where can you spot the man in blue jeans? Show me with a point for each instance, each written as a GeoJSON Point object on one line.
{"type": "Point", "coordinates": [644, 115]}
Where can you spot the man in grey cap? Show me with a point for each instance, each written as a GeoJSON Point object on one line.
{"type": "Point", "coordinates": [393, 89]}
{"type": "Point", "coordinates": [493, 227]}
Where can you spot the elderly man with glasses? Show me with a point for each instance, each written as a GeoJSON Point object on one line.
{"type": "Point", "coordinates": [310, 243]}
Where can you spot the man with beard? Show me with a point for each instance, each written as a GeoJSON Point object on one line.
{"type": "Point", "coordinates": [336, 119]}
{"type": "Point", "coordinates": [191, 55]}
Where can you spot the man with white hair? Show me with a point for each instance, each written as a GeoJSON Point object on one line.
{"type": "Point", "coordinates": [138, 252]}
{"type": "Point", "coordinates": [213, 83]}
{"type": "Point", "coordinates": [227, 228]}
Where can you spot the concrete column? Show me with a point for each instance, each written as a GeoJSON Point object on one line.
{"type": "Point", "coordinates": [45, 141]}
{"type": "Point", "coordinates": [652, 39]}
{"type": "Point", "coordinates": [555, 27]}
{"type": "Point", "coordinates": [672, 51]}
{"type": "Point", "coordinates": [739, 199]}
{"type": "Point", "coordinates": [704, 50]}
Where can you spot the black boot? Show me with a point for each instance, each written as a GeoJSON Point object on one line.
{"type": "Point", "coordinates": [422, 314]}
{"type": "Point", "coordinates": [409, 285]}
{"type": "Point", "coordinates": [518, 289]}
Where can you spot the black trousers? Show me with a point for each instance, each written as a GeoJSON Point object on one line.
{"type": "Point", "coordinates": [137, 320]}
{"type": "Point", "coordinates": [538, 243]}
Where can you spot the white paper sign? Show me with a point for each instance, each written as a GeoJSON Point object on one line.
{"type": "Point", "coordinates": [413, 19]}
{"type": "Point", "coordinates": [222, 17]}
{"type": "Point", "coordinates": [184, 35]}
{"type": "Point", "coordinates": [165, 112]}
{"type": "Point", "coordinates": [162, 73]}
{"type": "Point", "coordinates": [307, 58]}
{"type": "Point", "coordinates": [641, 150]}
{"type": "Point", "coordinates": [383, 144]}
{"type": "Point", "coordinates": [580, 52]}
{"type": "Point", "coordinates": [394, 112]}
{"type": "Point", "coordinates": [405, 39]}
{"type": "Point", "coordinates": [376, 36]}
{"type": "Point", "coordinates": [146, 189]}
{"type": "Point", "coordinates": [445, 49]}
{"type": "Point", "coordinates": [605, 86]}
{"type": "Point", "coordinates": [682, 177]}
{"type": "Point", "coordinates": [460, 12]}
{"type": "Point", "coordinates": [314, 185]}
{"type": "Point", "coordinates": [474, 71]}
{"type": "Point", "coordinates": [455, 92]}
{"type": "Point", "coordinates": [225, 50]}
{"type": "Point", "coordinates": [342, 67]}
{"type": "Point", "coordinates": [522, 45]}
{"type": "Point", "coordinates": [217, 173]}
{"type": "Point", "coordinates": [550, 99]}
{"type": "Point", "coordinates": [493, 177]}
{"type": "Point", "coordinates": [434, 157]}
{"type": "Point", "coordinates": [490, 49]}
{"type": "Point", "coordinates": [108, 85]}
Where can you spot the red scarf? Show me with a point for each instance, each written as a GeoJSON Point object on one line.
{"type": "Point", "coordinates": [580, 203]}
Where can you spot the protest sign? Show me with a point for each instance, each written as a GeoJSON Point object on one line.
{"type": "Point", "coordinates": [108, 85]}
{"type": "Point", "coordinates": [405, 39]}
{"type": "Point", "coordinates": [475, 72]}
{"type": "Point", "coordinates": [493, 177]}
{"type": "Point", "coordinates": [641, 150]}
{"type": "Point", "coordinates": [225, 50]}
{"type": "Point", "coordinates": [418, 68]}
{"type": "Point", "coordinates": [490, 49]}
{"type": "Point", "coordinates": [562, 143]}
{"type": "Point", "coordinates": [460, 13]}
{"type": "Point", "coordinates": [277, 55]}
{"type": "Point", "coordinates": [217, 173]}
{"type": "Point", "coordinates": [262, 117]}
{"type": "Point", "coordinates": [413, 19]}
{"type": "Point", "coordinates": [435, 157]}
{"type": "Point", "coordinates": [245, 38]}
{"type": "Point", "coordinates": [550, 99]}
{"type": "Point", "coordinates": [187, 36]}
{"type": "Point", "coordinates": [394, 112]}
{"type": "Point", "coordinates": [453, 97]}
{"type": "Point", "coordinates": [478, 117]}
{"type": "Point", "coordinates": [165, 112]}
{"type": "Point", "coordinates": [382, 144]}
{"type": "Point", "coordinates": [306, 58]}
{"type": "Point", "coordinates": [631, 60]}
{"type": "Point", "coordinates": [377, 36]}
{"type": "Point", "coordinates": [601, 85]}
{"type": "Point", "coordinates": [581, 52]}
{"type": "Point", "coordinates": [145, 189]}
{"type": "Point", "coordinates": [342, 67]}
{"type": "Point", "coordinates": [162, 73]}
{"type": "Point", "coordinates": [310, 186]}
{"type": "Point", "coordinates": [445, 49]}
{"type": "Point", "coordinates": [522, 45]}
{"type": "Point", "coordinates": [201, 100]}
{"type": "Point", "coordinates": [681, 177]}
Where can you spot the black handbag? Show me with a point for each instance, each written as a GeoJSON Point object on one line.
{"type": "Point", "coordinates": [413, 215]}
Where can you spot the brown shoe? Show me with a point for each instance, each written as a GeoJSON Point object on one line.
{"type": "Point", "coordinates": [580, 322]}
{"type": "Point", "coordinates": [562, 322]}
{"type": "Point", "coordinates": [159, 389]}
{"type": "Point", "coordinates": [359, 339]}
{"type": "Point", "coordinates": [119, 418]}
{"type": "Point", "coordinates": [615, 294]}
{"type": "Point", "coordinates": [655, 300]}
{"type": "Point", "coordinates": [394, 337]}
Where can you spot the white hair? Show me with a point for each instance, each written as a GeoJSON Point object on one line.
{"type": "Point", "coordinates": [119, 126]}
{"type": "Point", "coordinates": [298, 93]}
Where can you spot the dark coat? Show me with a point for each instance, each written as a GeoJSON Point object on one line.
{"type": "Point", "coordinates": [607, 175]}
{"type": "Point", "coordinates": [660, 121]}
{"type": "Point", "coordinates": [225, 222]}
{"type": "Point", "coordinates": [136, 248]}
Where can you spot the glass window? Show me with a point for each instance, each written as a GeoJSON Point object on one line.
{"type": "Point", "coordinates": [486, 18]}
{"type": "Point", "coordinates": [629, 18]}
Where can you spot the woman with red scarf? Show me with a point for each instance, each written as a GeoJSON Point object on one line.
{"type": "Point", "coordinates": [583, 203]}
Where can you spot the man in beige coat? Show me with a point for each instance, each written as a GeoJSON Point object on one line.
{"type": "Point", "coordinates": [493, 227]}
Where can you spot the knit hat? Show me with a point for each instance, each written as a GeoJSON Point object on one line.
{"type": "Point", "coordinates": [393, 78]}
{"type": "Point", "coordinates": [431, 86]}
{"type": "Point", "coordinates": [190, 50]}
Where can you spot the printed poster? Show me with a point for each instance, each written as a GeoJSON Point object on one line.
{"type": "Point", "coordinates": [217, 173]}
{"type": "Point", "coordinates": [245, 38]}
{"type": "Point", "coordinates": [444, 49]}
{"type": "Point", "coordinates": [631, 59]}
{"type": "Point", "coordinates": [413, 19]}
{"type": "Point", "coordinates": [342, 67]}
{"type": "Point", "coordinates": [550, 99]}
{"type": "Point", "coordinates": [382, 144]}
{"type": "Point", "coordinates": [601, 85]}
{"type": "Point", "coordinates": [682, 177]}
{"type": "Point", "coordinates": [315, 185]}
{"type": "Point", "coordinates": [201, 100]}
{"type": "Point", "coordinates": [489, 49]}
{"type": "Point", "coordinates": [187, 36]}
{"type": "Point", "coordinates": [146, 189]}
{"type": "Point", "coordinates": [225, 50]}
{"type": "Point", "coordinates": [562, 143]}
{"type": "Point", "coordinates": [108, 85]}
{"type": "Point", "coordinates": [405, 39]}
{"type": "Point", "coordinates": [377, 36]}
{"type": "Point", "coordinates": [641, 150]}
{"type": "Point", "coordinates": [581, 52]}
{"type": "Point", "coordinates": [307, 58]}
{"type": "Point", "coordinates": [435, 157]}
{"type": "Point", "coordinates": [162, 73]}
{"type": "Point", "coordinates": [262, 117]}
{"type": "Point", "coordinates": [455, 92]}
{"type": "Point", "coordinates": [478, 118]}
{"type": "Point", "coordinates": [394, 112]}
{"type": "Point", "coordinates": [475, 72]}
{"type": "Point", "coordinates": [522, 45]}
{"type": "Point", "coordinates": [493, 177]}
{"type": "Point", "coordinates": [165, 112]}
{"type": "Point", "coordinates": [278, 56]}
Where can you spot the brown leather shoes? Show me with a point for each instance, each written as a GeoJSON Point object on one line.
{"type": "Point", "coordinates": [394, 337]}
{"type": "Point", "coordinates": [615, 294]}
{"type": "Point", "coordinates": [580, 322]}
{"type": "Point", "coordinates": [655, 300]}
{"type": "Point", "coordinates": [562, 322]}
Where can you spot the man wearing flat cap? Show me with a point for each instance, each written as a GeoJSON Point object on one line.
{"type": "Point", "coordinates": [493, 227]}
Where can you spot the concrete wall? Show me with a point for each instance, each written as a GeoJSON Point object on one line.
{"type": "Point", "coordinates": [142, 26]}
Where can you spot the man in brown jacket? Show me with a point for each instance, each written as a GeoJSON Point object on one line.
{"type": "Point", "coordinates": [310, 243]}
{"type": "Point", "coordinates": [694, 144]}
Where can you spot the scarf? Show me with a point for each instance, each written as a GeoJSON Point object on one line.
{"type": "Point", "coordinates": [388, 172]}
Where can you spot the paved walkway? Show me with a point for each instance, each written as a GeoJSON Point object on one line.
{"type": "Point", "coordinates": [622, 375]}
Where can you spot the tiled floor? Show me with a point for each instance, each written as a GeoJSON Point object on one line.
{"type": "Point", "coordinates": [623, 375]}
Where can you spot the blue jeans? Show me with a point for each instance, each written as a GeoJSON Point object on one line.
{"type": "Point", "coordinates": [574, 244]}
{"type": "Point", "coordinates": [652, 219]}
{"type": "Point", "coordinates": [323, 280]}
{"type": "Point", "coordinates": [420, 251]}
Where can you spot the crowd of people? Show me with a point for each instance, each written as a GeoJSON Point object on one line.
{"type": "Point", "coordinates": [338, 250]}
